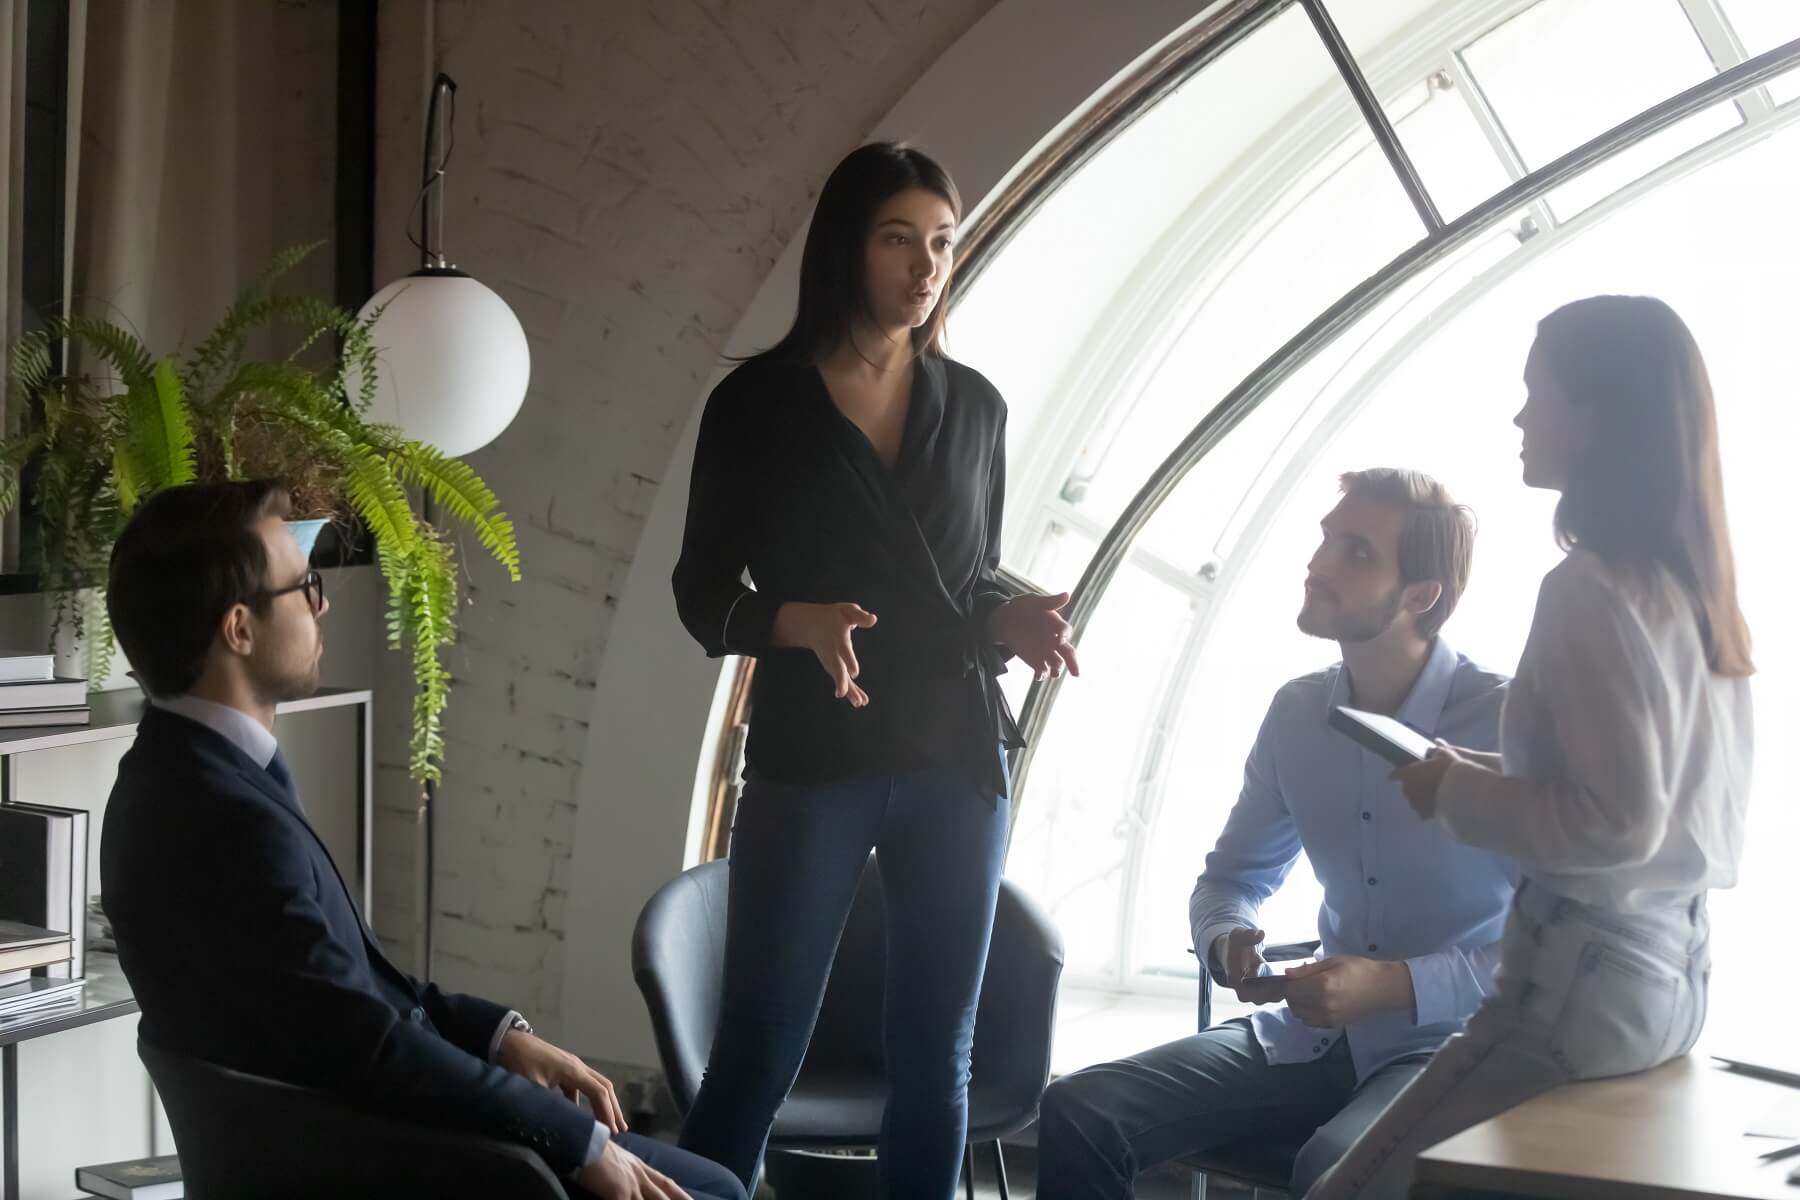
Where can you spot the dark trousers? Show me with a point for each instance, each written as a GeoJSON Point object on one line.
{"type": "Point", "coordinates": [700, 1179]}
{"type": "Point", "coordinates": [1101, 1126]}
{"type": "Point", "coordinates": [797, 856]}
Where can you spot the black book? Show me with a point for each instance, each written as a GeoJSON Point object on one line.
{"type": "Point", "coordinates": [139, 1179]}
{"type": "Point", "coordinates": [16, 935]}
{"type": "Point", "coordinates": [43, 875]}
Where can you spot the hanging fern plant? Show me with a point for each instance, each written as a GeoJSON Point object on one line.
{"type": "Point", "coordinates": [96, 445]}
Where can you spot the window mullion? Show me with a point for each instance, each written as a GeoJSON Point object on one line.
{"type": "Point", "coordinates": [1726, 49]}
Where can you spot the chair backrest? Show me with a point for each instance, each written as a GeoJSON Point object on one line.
{"type": "Point", "coordinates": [678, 960]}
{"type": "Point", "coordinates": [244, 1135]}
{"type": "Point", "coordinates": [678, 954]}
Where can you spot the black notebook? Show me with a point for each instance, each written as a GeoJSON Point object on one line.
{"type": "Point", "coordinates": [138, 1179]}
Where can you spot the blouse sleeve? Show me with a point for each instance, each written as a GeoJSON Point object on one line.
{"type": "Point", "coordinates": [722, 614]}
{"type": "Point", "coordinates": [1607, 803]}
{"type": "Point", "coordinates": [990, 592]}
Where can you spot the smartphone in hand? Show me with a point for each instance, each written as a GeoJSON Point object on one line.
{"type": "Point", "coordinates": [1264, 989]}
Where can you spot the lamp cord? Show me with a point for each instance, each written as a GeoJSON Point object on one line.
{"type": "Point", "coordinates": [433, 177]}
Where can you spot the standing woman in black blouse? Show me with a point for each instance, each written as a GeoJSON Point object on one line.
{"type": "Point", "coordinates": [858, 474]}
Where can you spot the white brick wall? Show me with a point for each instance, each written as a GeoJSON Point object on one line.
{"type": "Point", "coordinates": [625, 175]}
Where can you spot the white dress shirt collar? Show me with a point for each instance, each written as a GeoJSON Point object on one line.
{"type": "Point", "coordinates": [233, 724]}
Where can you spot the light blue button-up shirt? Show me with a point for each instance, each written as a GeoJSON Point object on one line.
{"type": "Point", "coordinates": [1396, 887]}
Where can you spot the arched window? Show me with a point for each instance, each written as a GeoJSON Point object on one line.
{"type": "Point", "coordinates": [1205, 316]}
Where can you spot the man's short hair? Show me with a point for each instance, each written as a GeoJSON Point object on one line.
{"type": "Point", "coordinates": [186, 556]}
{"type": "Point", "coordinates": [1436, 542]}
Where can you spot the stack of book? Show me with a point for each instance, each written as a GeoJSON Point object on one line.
{"type": "Point", "coordinates": [23, 949]}
{"type": "Point", "coordinates": [31, 693]}
{"type": "Point", "coordinates": [140, 1179]}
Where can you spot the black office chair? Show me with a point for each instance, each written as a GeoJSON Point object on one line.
{"type": "Point", "coordinates": [242, 1135]}
{"type": "Point", "coordinates": [678, 957]}
{"type": "Point", "coordinates": [1264, 1165]}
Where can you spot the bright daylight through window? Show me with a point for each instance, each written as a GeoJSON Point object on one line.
{"type": "Point", "coordinates": [1167, 267]}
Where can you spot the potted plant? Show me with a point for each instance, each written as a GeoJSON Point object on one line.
{"type": "Point", "coordinates": [92, 446]}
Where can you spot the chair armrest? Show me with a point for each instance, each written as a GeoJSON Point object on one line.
{"type": "Point", "coordinates": [1289, 951]}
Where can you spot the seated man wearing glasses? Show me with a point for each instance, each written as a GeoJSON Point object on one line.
{"type": "Point", "coordinates": [238, 936]}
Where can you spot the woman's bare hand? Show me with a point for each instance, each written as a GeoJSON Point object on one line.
{"type": "Point", "coordinates": [825, 629]}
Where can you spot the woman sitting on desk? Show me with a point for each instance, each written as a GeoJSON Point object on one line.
{"type": "Point", "coordinates": [1625, 742]}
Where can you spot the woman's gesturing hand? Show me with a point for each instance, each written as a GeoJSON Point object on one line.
{"type": "Point", "coordinates": [825, 629]}
{"type": "Point", "coordinates": [1033, 628]}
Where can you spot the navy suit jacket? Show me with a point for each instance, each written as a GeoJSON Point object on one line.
{"type": "Point", "coordinates": [244, 949]}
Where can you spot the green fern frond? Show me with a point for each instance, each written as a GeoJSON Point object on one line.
{"type": "Point", "coordinates": [359, 357]}
{"type": "Point", "coordinates": [164, 431]}
{"type": "Point", "coordinates": [130, 485]}
{"type": "Point", "coordinates": [119, 348]}
{"type": "Point", "coordinates": [253, 308]}
{"type": "Point", "coordinates": [374, 491]}
{"type": "Point", "coordinates": [285, 261]}
{"type": "Point", "coordinates": [15, 452]}
{"type": "Point", "coordinates": [431, 603]}
{"type": "Point", "coordinates": [154, 439]}
{"type": "Point", "coordinates": [32, 363]}
{"type": "Point", "coordinates": [453, 484]}
{"type": "Point", "coordinates": [100, 642]}
{"type": "Point", "coordinates": [380, 499]}
{"type": "Point", "coordinates": [277, 389]}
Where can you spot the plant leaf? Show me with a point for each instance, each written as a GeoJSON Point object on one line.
{"type": "Point", "coordinates": [453, 484]}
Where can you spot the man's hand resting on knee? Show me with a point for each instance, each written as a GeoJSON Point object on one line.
{"type": "Point", "coordinates": [524, 1053]}
{"type": "Point", "coordinates": [618, 1174]}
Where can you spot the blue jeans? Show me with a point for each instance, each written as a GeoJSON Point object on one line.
{"type": "Point", "coordinates": [1582, 993]}
{"type": "Point", "coordinates": [1102, 1125]}
{"type": "Point", "coordinates": [797, 856]}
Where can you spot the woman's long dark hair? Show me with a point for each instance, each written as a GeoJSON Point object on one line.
{"type": "Point", "coordinates": [1648, 488]}
{"type": "Point", "coordinates": [833, 291]}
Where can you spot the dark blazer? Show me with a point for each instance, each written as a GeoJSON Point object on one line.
{"type": "Point", "coordinates": [788, 487]}
{"type": "Point", "coordinates": [244, 949]}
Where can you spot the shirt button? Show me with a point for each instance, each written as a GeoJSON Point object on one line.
{"type": "Point", "coordinates": [1372, 881]}
{"type": "Point", "coordinates": [1373, 947]}
{"type": "Point", "coordinates": [1368, 817]}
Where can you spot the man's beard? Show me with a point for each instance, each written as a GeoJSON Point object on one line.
{"type": "Point", "coordinates": [277, 687]}
{"type": "Point", "coordinates": [1363, 624]}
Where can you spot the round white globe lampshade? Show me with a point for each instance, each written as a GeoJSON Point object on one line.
{"type": "Point", "coordinates": [451, 360]}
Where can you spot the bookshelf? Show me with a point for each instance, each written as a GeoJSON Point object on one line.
{"type": "Point", "coordinates": [106, 995]}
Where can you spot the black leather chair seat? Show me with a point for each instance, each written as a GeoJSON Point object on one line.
{"type": "Point", "coordinates": [678, 956]}
{"type": "Point", "coordinates": [841, 1112]}
{"type": "Point", "coordinates": [242, 1135]}
{"type": "Point", "coordinates": [1267, 1164]}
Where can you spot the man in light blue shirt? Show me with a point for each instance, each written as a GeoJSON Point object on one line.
{"type": "Point", "coordinates": [1411, 920]}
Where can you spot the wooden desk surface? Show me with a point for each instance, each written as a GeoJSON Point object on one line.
{"type": "Point", "coordinates": [1675, 1133]}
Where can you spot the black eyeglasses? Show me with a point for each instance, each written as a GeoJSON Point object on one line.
{"type": "Point", "coordinates": [313, 585]}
